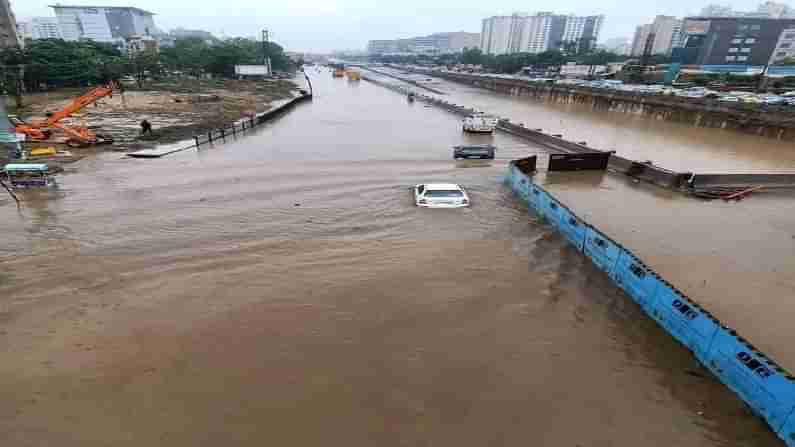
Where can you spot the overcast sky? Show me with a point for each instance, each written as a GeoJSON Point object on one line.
{"type": "Point", "coordinates": [325, 25]}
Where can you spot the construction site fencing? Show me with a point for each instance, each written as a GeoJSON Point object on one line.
{"type": "Point", "coordinates": [763, 385]}
{"type": "Point", "coordinates": [243, 125]}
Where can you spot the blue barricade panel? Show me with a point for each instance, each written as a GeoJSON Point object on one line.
{"type": "Point", "coordinates": [686, 321]}
{"type": "Point", "coordinates": [551, 209]}
{"type": "Point", "coordinates": [767, 388]}
{"type": "Point", "coordinates": [573, 228]}
{"type": "Point", "coordinates": [787, 432]}
{"type": "Point", "coordinates": [636, 279]}
{"type": "Point", "coordinates": [601, 249]}
{"type": "Point", "coordinates": [522, 185]}
{"type": "Point", "coordinates": [533, 198]}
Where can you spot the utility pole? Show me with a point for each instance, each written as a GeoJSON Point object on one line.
{"type": "Point", "coordinates": [266, 61]}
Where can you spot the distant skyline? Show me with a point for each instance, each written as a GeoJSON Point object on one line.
{"type": "Point", "coordinates": [323, 26]}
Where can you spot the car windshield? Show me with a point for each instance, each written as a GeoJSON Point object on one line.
{"type": "Point", "coordinates": [443, 193]}
{"type": "Point", "coordinates": [475, 150]}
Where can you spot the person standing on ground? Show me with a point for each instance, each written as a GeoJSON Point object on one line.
{"type": "Point", "coordinates": [146, 127]}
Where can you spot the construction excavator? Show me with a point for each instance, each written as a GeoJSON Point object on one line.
{"type": "Point", "coordinates": [77, 136]}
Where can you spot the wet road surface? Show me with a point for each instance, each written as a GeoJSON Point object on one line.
{"type": "Point", "coordinates": [283, 289]}
{"type": "Point", "coordinates": [673, 145]}
{"type": "Point", "coordinates": [736, 259]}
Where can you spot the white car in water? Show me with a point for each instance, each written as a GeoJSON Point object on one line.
{"type": "Point", "coordinates": [440, 195]}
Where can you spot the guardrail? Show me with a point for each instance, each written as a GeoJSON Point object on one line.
{"type": "Point", "coordinates": [232, 130]}
{"type": "Point", "coordinates": [241, 125]}
{"type": "Point", "coordinates": [767, 388]}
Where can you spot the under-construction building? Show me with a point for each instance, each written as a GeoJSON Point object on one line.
{"type": "Point", "coordinates": [8, 27]}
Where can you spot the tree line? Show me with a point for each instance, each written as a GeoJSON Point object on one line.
{"type": "Point", "coordinates": [513, 63]}
{"type": "Point", "coordinates": [52, 63]}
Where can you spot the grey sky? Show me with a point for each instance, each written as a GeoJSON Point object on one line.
{"type": "Point", "coordinates": [325, 25]}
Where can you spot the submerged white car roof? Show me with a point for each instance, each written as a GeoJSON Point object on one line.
{"type": "Point", "coordinates": [442, 186]}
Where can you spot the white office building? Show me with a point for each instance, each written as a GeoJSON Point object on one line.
{"type": "Point", "coordinates": [104, 23]}
{"type": "Point", "coordinates": [41, 28]}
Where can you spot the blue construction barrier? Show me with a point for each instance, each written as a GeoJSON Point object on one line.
{"type": "Point", "coordinates": [534, 198]}
{"type": "Point", "coordinates": [787, 432]}
{"type": "Point", "coordinates": [639, 281]}
{"type": "Point", "coordinates": [551, 209]}
{"type": "Point", "coordinates": [762, 384]}
{"type": "Point", "coordinates": [685, 320]}
{"type": "Point", "coordinates": [602, 251]}
{"type": "Point", "coordinates": [521, 184]}
{"type": "Point", "coordinates": [572, 227]}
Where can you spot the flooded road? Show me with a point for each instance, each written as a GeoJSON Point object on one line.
{"type": "Point", "coordinates": [673, 145]}
{"type": "Point", "coordinates": [283, 289]}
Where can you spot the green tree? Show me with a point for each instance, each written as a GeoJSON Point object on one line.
{"type": "Point", "coordinates": [54, 62]}
{"type": "Point", "coordinates": [143, 65]}
{"type": "Point", "coordinates": [473, 56]}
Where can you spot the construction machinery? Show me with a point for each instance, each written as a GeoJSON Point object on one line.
{"type": "Point", "coordinates": [77, 136]}
{"type": "Point", "coordinates": [353, 75]}
{"type": "Point", "coordinates": [337, 70]}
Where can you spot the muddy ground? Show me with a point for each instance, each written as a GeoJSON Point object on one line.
{"type": "Point", "coordinates": [177, 109]}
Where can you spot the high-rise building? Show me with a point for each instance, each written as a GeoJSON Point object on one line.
{"type": "Point", "coordinates": [499, 33]}
{"type": "Point", "coordinates": [732, 40]}
{"type": "Point", "coordinates": [41, 28]}
{"type": "Point", "coordinates": [521, 33]}
{"type": "Point", "coordinates": [659, 36]}
{"type": "Point", "coordinates": [582, 31]}
{"type": "Point", "coordinates": [104, 23]}
{"type": "Point", "coordinates": [9, 38]}
{"type": "Point", "coordinates": [641, 38]}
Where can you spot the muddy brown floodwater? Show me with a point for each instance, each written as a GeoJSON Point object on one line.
{"type": "Point", "coordinates": [673, 145]}
{"type": "Point", "coordinates": [283, 290]}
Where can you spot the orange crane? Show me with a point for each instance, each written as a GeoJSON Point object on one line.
{"type": "Point", "coordinates": [77, 135]}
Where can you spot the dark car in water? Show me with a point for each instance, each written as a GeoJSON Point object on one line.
{"type": "Point", "coordinates": [479, 151]}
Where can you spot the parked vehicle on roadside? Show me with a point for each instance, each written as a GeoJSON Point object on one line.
{"type": "Point", "coordinates": [772, 99]}
{"type": "Point", "coordinates": [28, 175]}
{"type": "Point", "coordinates": [479, 151]}
{"type": "Point", "coordinates": [480, 123]}
{"type": "Point", "coordinates": [440, 195]}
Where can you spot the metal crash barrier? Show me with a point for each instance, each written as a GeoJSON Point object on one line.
{"type": "Point", "coordinates": [579, 162]}
{"type": "Point", "coordinates": [768, 389]}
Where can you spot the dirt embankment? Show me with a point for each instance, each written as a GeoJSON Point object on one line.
{"type": "Point", "coordinates": [177, 109]}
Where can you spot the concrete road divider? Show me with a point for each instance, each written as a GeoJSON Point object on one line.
{"type": "Point", "coordinates": [685, 320]}
{"type": "Point", "coordinates": [602, 251]}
